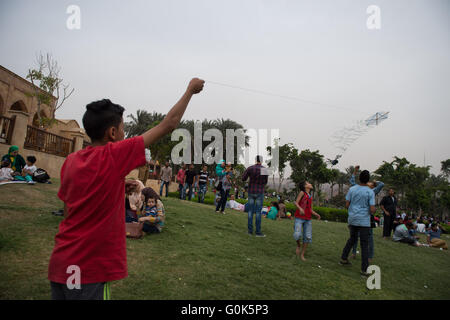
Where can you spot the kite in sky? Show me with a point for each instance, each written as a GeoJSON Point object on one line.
{"type": "Point", "coordinates": [343, 138]}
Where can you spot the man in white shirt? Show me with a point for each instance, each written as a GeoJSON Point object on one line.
{"type": "Point", "coordinates": [233, 204]}
{"type": "Point", "coordinates": [421, 227]}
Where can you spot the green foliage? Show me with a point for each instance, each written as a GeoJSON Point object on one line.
{"type": "Point", "coordinates": [161, 150]}
{"type": "Point", "coordinates": [330, 214]}
{"type": "Point", "coordinates": [310, 166]}
{"type": "Point", "coordinates": [445, 228]}
{"type": "Point", "coordinates": [445, 167]}
{"type": "Point", "coordinates": [286, 153]}
{"type": "Point", "coordinates": [338, 201]}
{"type": "Point", "coordinates": [409, 181]}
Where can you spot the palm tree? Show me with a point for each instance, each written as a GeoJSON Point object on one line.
{"type": "Point", "coordinates": [141, 122]}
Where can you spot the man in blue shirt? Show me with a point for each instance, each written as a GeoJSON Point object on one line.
{"type": "Point", "coordinates": [434, 237]}
{"type": "Point", "coordinates": [360, 202]}
{"type": "Point", "coordinates": [376, 187]}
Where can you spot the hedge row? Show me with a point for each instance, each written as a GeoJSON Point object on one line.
{"type": "Point", "coordinates": [330, 214]}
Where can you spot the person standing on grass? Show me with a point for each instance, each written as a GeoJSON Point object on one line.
{"type": "Point", "coordinates": [202, 181]}
{"type": "Point", "coordinates": [91, 243]}
{"type": "Point", "coordinates": [360, 202]}
{"type": "Point", "coordinates": [302, 222]}
{"type": "Point", "coordinates": [258, 179]}
{"type": "Point", "coordinates": [166, 177]}
{"type": "Point", "coordinates": [376, 186]}
{"type": "Point", "coordinates": [389, 206]}
{"type": "Point", "coordinates": [227, 183]}
{"type": "Point", "coordinates": [189, 179]}
{"type": "Point", "coordinates": [180, 179]}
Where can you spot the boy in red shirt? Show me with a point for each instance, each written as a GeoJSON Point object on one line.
{"type": "Point", "coordinates": [90, 247]}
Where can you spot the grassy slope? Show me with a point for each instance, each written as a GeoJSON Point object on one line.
{"type": "Point", "coordinates": [204, 255]}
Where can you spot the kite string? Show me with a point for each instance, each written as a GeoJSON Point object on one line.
{"type": "Point", "coordinates": [281, 96]}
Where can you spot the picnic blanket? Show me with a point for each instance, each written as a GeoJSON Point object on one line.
{"type": "Point", "coordinates": [9, 182]}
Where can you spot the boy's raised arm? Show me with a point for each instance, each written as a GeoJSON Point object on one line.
{"type": "Point", "coordinates": [173, 118]}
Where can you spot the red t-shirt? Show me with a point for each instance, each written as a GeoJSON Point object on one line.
{"type": "Point", "coordinates": [180, 175]}
{"type": "Point", "coordinates": [92, 236]}
{"type": "Point", "coordinates": [306, 204]}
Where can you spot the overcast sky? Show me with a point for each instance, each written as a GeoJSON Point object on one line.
{"type": "Point", "coordinates": [141, 54]}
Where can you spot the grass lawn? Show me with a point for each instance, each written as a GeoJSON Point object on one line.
{"type": "Point", "coordinates": [204, 255]}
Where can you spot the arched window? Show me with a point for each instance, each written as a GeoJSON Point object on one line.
{"type": "Point", "coordinates": [19, 106]}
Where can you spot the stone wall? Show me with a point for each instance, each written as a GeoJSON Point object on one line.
{"type": "Point", "coordinates": [15, 90]}
{"type": "Point", "coordinates": [50, 163]}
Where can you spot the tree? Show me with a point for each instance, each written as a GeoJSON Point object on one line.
{"type": "Point", "coordinates": [334, 179]}
{"type": "Point", "coordinates": [341, 180]}
{"type": "Point", "coordinates": [285, 154]}
{"type": "Point", "coordinates": [144, 121]}
{"type": "Point", "coordinates": [409, 182]}
{"type": "Point", "coordinates": [46, 85]}
{"type": "Point", "coordinates": [445, 168]}
{"type": "Point", "coordinates": [310, 166]}
{"type": "Point", "coordinates": [161, 150]}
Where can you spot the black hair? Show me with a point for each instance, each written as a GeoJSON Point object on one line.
{"type": "Point", "coordinates": [364, 176]}
{"type": "Point", "coordinates": [275, 204]}
{"type": "Point", "coordinates": [31, 159]}
{"type": "Point", "coordinates": [150, 193]}
{"type": "Point", "coordinates": [409, 224]}
{"type": "Point", "coordinates": [100, 116]}
{"type": "Point", "coordinates": [301, 186]}
{"type": "Point", "coordinates": [5, 163]}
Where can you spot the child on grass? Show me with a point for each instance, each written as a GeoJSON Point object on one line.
{"type": "Point", "coordinates": [92, 234]}
{"type": "Point", "coordinates": [302, 223]}
{"type": "Point", "coordinates": [28, 171]}
{"type": "Point", "coordinates": [152, 216]}
{"type": "Point", "coordinates": [6, 171]}
{"type": "Point", "coordinates": [273, 211]}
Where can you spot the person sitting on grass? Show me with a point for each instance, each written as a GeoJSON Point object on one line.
{"type": "Point", "coordinates": [136, 197]}
{"type": "Point", "coordinates": [233, 204]}
{"type": "Point", "coordinates": [282, 209]}
{"type": "Point", "coordinates": [434, 237]}
{"type": "Point", "coordinates": [17, 161]}
{"type": "Point", "coordinates": [273, 211]}
{"type": "Point", "coordinates": [28, 171]}
{"type": "Point", "coordinates": [420, 226]}
{"type": "Point", "coordinates": [152, 217]}
{"type": "Point", "coordinates": [131, 186]}
{"type": "Point", "coordinates": [402, 234]}
{"type": "Point", "coordinates": [92, 234]}
{"type": "Point", "coordinates": [6, 171]}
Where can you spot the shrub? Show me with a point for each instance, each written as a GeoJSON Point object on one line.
{"type": "Point", "coordinates": [445, 228]}
{"type": "Point", "coordinates": [330, 214]}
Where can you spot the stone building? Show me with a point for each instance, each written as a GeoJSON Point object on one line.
{"type": "Point", "coordinates": [19, 125]}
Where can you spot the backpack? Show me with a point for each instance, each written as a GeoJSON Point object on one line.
{"type": "Point", "coordinates": [40, 175]}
